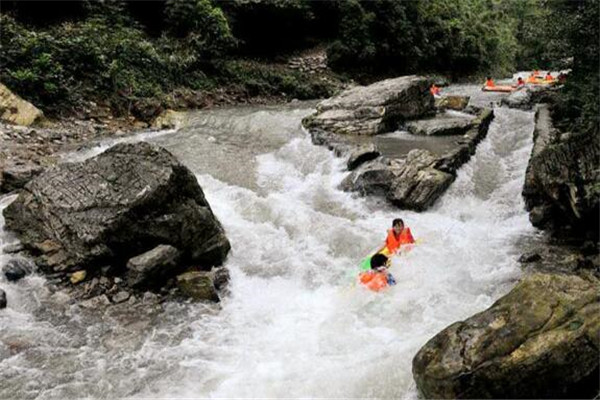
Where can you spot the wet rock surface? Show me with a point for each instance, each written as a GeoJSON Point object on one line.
{"type": "Point", "coordinates": [17, 268]}
{"type": "Point", "coordinates": [3, 302]}
{"type": "Point", "coordinates": [452, 102]}
{"type": "Point", "coordinates": [416, 181]}
{"type": "Point", "coordinates": [441, 125]}
{"type": "Point", "coordinates": [527, 97]}
{"type": "Point", "coordinates": [198, 285]}
{"type": "Point", "coordinates": [97, 215]}
{"type": "Point", "coordinates": [369, 110]}
{"type": "Point", "coordinates": [538, 341]}
{"type": "Point", "coordinates": [152, 268]}
{"type": "Point", "coordinates": [560, 188]}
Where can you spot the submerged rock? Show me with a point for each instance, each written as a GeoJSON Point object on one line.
{"type": "Point", "coordinates": [538, 341]}
{"type": "Point", "coordinates": [373, 109]}
{"type": "Point", "coordinates": [198, 285]}
{"type": "Point", "coordinates": [115, 206]}
{"type": "Point", "coordinates": [17, 268]}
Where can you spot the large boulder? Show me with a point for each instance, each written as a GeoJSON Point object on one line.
{"type": "Point", "coordinates": [539, 341]}
{"type": "Point", "coordinates": [418, 185]}
{"type": "Point", "coordinates": [561, 183]}
{"type": "Point", "coordinates": [373, 109]}
{"type": "Point", "coordinates": [115, 206]}
{"type": "Point", "coordinates": [15, 110]}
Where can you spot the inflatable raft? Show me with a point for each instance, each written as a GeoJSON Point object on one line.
{"type": "Point", "coordinates": [504, 89]}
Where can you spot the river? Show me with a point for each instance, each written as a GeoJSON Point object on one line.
{"type": "Point", "coordinates": [294, 324]}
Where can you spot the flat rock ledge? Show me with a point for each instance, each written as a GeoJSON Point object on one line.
{"type": "Point", "coordinates": [541, 340]}
{"type": "Point", "coordinates": [373, 109]}
{"type": "Point", "coordinates": [441, 125]}
{"type": "Point", "coordinates": [418, 180]}
{"type": "Point", "coordinates": [128, 220]}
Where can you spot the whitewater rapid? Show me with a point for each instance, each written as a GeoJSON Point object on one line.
{"type": "Point", "coordinates": [294, 324]}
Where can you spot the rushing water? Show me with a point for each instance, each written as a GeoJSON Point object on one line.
{"type": "Point", "coordinates": [294, 324]}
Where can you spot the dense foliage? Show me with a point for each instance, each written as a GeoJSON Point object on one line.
{"type": "Point", "coordinates": [122, 50]}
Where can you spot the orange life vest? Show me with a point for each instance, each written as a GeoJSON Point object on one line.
{"type": "Point", "coordinates": [373, 280]}
{"type": "Point", "coordinates": [490, 83]}
{"type": "Point", "coordinates": [393, 242]}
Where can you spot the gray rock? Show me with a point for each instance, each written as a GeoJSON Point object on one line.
{"type": "Point", "coordinates": [562, 178]}
{"type": "Point", "coordinates": [525, 98]}
{"type": "Point", "coordinates": [16, 176]}
{"type": "Point", "coordinates": [153, 268]}
{"type": "Point", "coordinates": [457, 103]}
{"type": "Point", "coordinates": [529, 257]}
{"type": "Point", "coordinates": [440, 126]}
{"type": "Point", "coordinates": [538, 341]}
{"type": "Point", "coordinates": [220, 278]}
{"type": "Point", "coordinates": [2, 299]}
{"type": "Point", "coordinates": [121, 297]}
{"type": "Point", "coordinates": [17, 268]}
{"type": "Point", "coordinates": [374, 178]}
{"type": "Point", "coordinates": [418, 184]}
{"type": "Point", "coordinates": [112, 207]}
{"type": "Point", "coordinates": [96, 303]}
{"type": "Point", "coordinates": [198, 285]}
{"type": "Point", "coordinates": [361, 155]}
{"type": "Point", "coordinates": [373, 109]}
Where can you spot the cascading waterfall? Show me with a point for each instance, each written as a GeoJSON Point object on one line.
{"type": "Point", "coordinates": [294, 324]}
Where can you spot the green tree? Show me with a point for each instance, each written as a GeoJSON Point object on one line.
{"type": "Point", "coordinates": [203, 27]}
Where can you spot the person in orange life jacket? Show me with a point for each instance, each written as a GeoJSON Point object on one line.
{"type": "Point", "coordinates": [380, 263]}
{"type": "Point", "coordinates": [434, 90]}
{"type": "Point", "coordinates": [549, 77]}
{"type": "Point", "coordinates": [397, 236]}
{"type": "Point", "coordinates": [489, 82]}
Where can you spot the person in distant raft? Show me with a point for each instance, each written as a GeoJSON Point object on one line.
{"type": "Point", "coordinates": [434, 90]}
{"type": "Point", "coordinates": [520, 82]}
{"type": "Point", "coordinates": [489, 82]}
{"type": "Point", "coordinates": [398, 236]}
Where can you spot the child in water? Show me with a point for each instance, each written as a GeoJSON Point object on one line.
{"type": "Point", "coordinates": [380, 263]}
{"type": "Point", "coordinates": [398, 236]}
